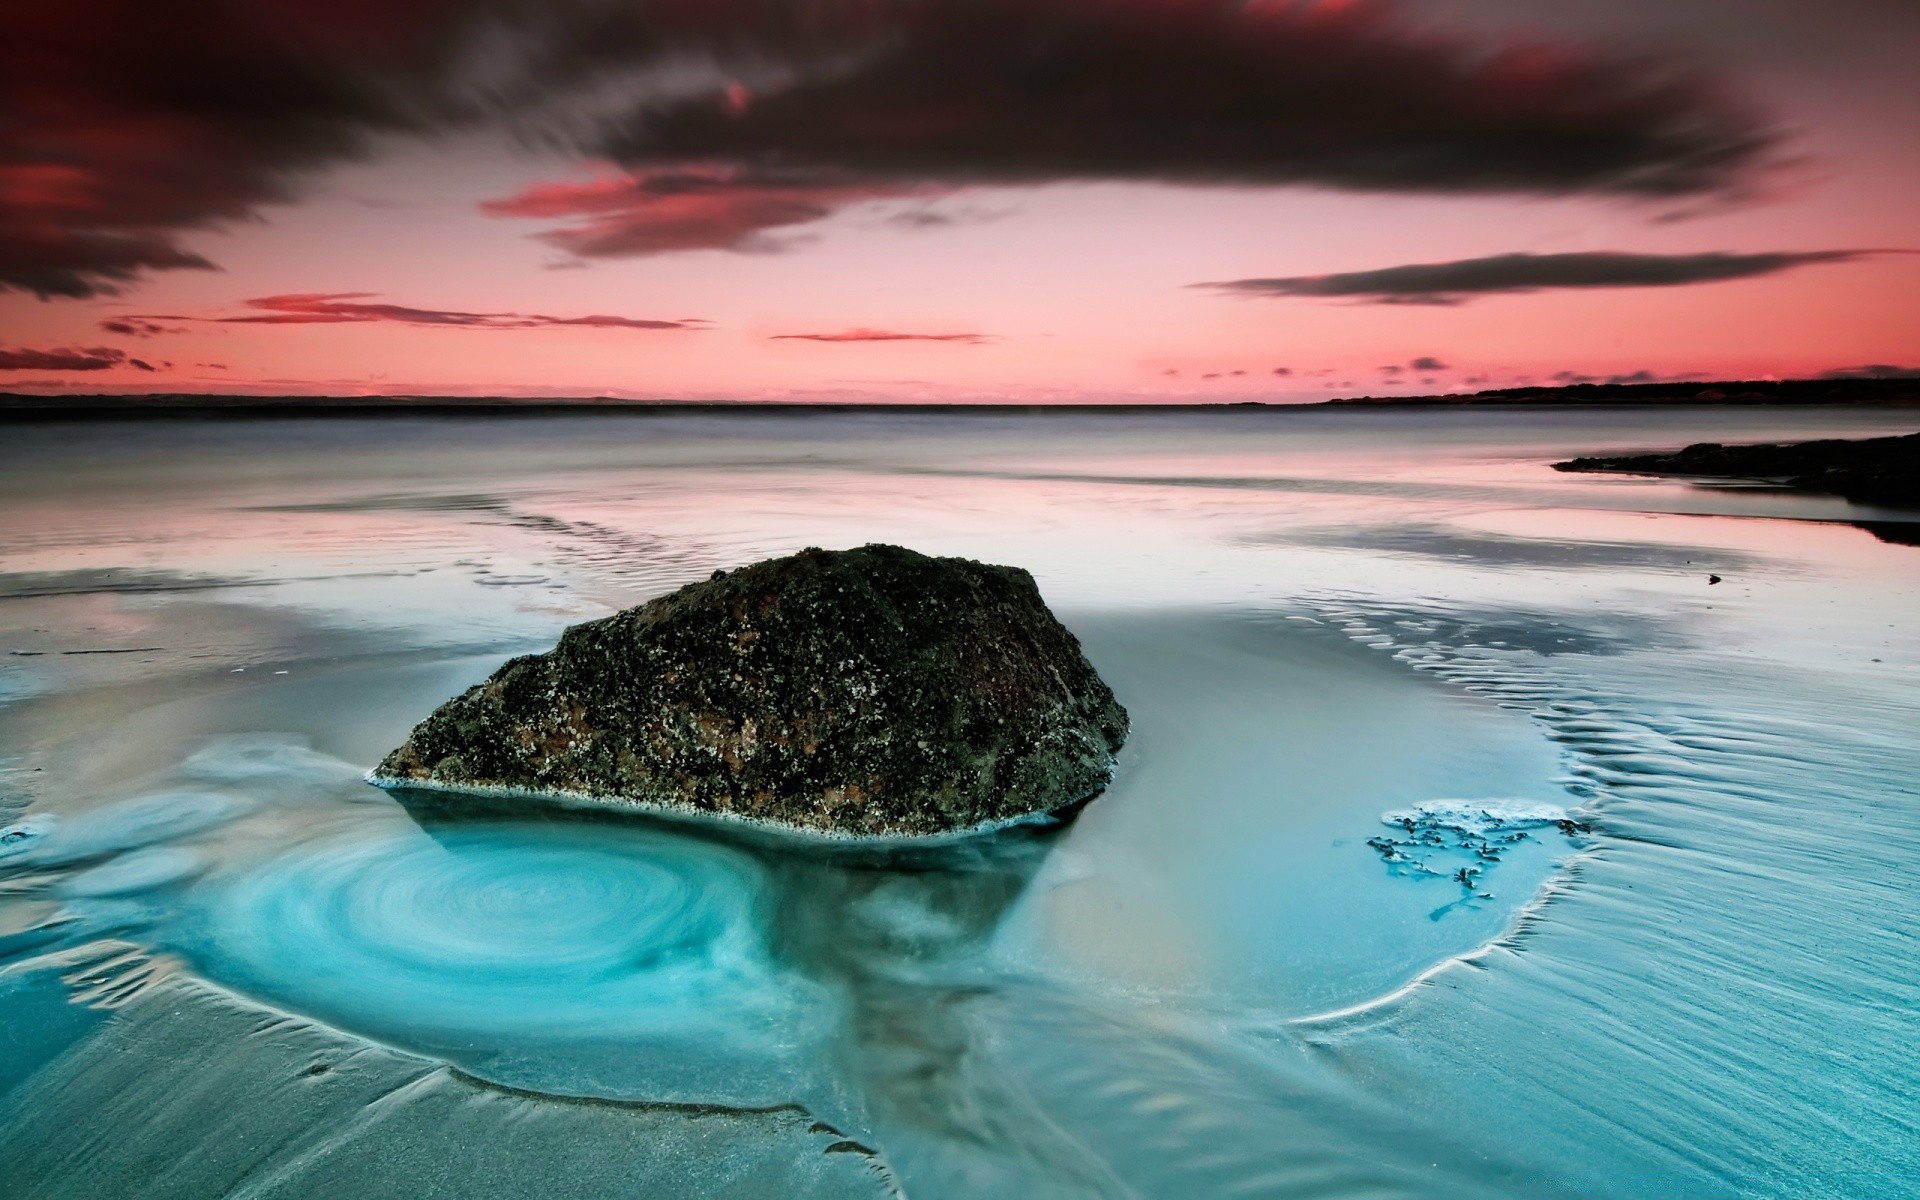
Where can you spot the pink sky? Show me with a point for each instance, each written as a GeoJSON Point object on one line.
{"type": "Point", "coordinates": [461, 259]}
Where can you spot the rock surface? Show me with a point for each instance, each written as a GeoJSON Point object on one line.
{"type": "Point", "coordinates": [867, 692]}
{"type": "Point", "coordinates": [1883, 470]}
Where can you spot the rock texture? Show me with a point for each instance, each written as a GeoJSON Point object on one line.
{"type": "Point", "coordinates": [867, 692]}
{"type": "Point", "coordinates": [1882, 470]}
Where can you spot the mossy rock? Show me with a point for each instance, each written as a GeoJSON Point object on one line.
{"type": "Point", "coordinates": [874, 692]}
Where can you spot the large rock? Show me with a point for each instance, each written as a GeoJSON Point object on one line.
{"type": "Point", "coordinates": [868, 692]}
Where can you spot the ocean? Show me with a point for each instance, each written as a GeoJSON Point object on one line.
{"type": "Point", "coordinates": [1485, 831]}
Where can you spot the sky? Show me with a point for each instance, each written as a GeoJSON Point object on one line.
{"type": "Point", "coordinates": [953, 200]}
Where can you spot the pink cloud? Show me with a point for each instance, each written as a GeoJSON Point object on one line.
{"type": "Point", "coordinates": [695, 207]}
{"type": "Point", "coordinates": [881, 335]}
{"type": "Point", "coordinates": [348, 308]}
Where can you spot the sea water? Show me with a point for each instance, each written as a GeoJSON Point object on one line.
{"type": "Point", "coordinates": [1469, 840]}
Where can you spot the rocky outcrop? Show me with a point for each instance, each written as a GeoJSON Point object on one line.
{"type": "Point", "coordinates": [868, 692]}
{"type": "Point", "coordinates": [1882, 470]}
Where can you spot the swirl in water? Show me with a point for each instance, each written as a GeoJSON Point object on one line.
{"type": "Point", "coordinates": [491, 938]}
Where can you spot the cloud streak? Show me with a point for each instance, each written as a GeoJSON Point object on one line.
{"type": "Point", "coordinates": [97, 358]}
{"type": "Point", "coordinates": [882, 335]}
{"type": "Point", "coordinates": [354, 308]}
{"type": "Point", "coordinates": [698, 207]}
{"type": "Point", "coordinates": [1509, 274]}
{"type": "Point", "coordinates": [134, 327]}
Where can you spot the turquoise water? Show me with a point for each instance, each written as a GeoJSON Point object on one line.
{"type": "Point", "coordinates": [1469, 842]}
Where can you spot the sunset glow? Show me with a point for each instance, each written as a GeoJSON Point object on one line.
{"type": "Point", "coordinates": [1082, 200]}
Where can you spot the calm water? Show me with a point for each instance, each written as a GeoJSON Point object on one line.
{"type": "Point", "coordinates": [1469, 842]}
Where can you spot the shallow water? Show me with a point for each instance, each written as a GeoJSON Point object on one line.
{"type": "Point", "coordinates": [1468, 843]}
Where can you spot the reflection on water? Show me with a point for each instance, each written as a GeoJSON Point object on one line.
{"type": "Point", "coordinates": [1469, 842]}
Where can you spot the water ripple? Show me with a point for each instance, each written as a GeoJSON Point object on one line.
{"type": "Point", "coordinates": [503, 934]}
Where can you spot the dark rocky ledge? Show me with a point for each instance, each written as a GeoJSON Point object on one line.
{"type": "Point", "coordinates": [1882, 470]}
{"type": "Point", "coordinates": [874, 692]}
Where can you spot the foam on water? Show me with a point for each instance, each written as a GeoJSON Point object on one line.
{"type": "Point", "coordinates": [141, 871]}
{"type": "Point", "coordinates": [1478, 816]}
{"type": "Point", "coordinates": [257, 760]}
{"type": "Point", "coordinates": [49, 839]}
{"type": "Point", "coordinates": [1462, 840]}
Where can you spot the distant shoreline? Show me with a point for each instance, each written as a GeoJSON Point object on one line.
{"type": "Point", "coordinates": [1904, 390]}
{"type": "Point", "coordinates": [1894, 392]}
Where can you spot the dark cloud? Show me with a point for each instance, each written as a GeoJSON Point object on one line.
{"type": "Point", "coordinates": [142, 364]}
{"type": "Point", "coordinates": [1283, 371]}
{"type": "Point", "coordinates": [1427, 363]}
{"type": "Point", "coordinates": [132, 124]}
{"type": "Point", "coordinates": [134, 327]}
{"type": "Point", "coordinates": [948, 94]}
{"type": "Point", "coordinates": [1457, 282]}
{"type": "Point", "coordinates": [922, 218]}
{"type": "Point", "coordinates": [38, 256]}
{"type": "Point", "coordinates": [346, 308]}
{"type": "Point", "coordinates": [98, 358]}
{"type": "Point", "coordinates": [1347, 95]}
{"type": "Point", "coordinates": [881, 335]}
